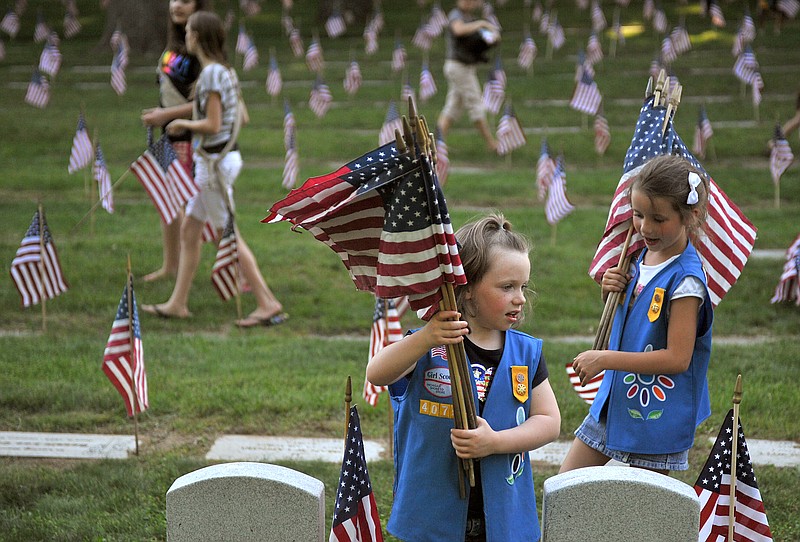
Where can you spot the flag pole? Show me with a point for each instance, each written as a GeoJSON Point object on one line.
{"type": "Point", "coordinates": [737, 399]}
{"type": "Point", "coordinates": [42, 292]}
{"type": "Point", "coordinates": [132, 357]}
{"type": "Point", "coordinates": [348, 399]}
{"type": "Point", "coordinates": [92, 200]}
{"type": "Point", "coordinates": [612, 301]}
{"type": "Point", "coordinates": [100, 200]}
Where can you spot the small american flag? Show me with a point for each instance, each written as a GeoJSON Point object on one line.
{"type": "Point", "coordinates": [38, 94]}
{"type": "Point", "coordinates": [274, 82]}
{"type": "Point", "coordinates": [788, 288]}
{"type": "Point", "coordinates": [289, 124]}
{"type": "Point", "coordinates": [790, 8]}
{"type": "Point", "coordinates": [598, 19]}
{"type": "Point", "coordinates": [427, 86]}
{"type": "Point", "coordinates": [594, 51]}
{"type": "Point", "coordinates": [370, 40]}
{"type": "Point", "coordinates": [660, 21]}
{"type": "Point", "coordinates": [291, 165]}
{"type": "Point", "coordinates": [225, 272]}
{"type": "Point", "coordinates": [123, 359]}
{"type": "Point", "coordinates": [50, 60]}
{"type": "Point", "coordinates": [586, 97]}
{"type": "Point", "coordinates": [242, 40]}
{"type": "Point", "coordinates": [287, 23]}
{"type": "Point", "coordinates": [583, 66]}
{"type": "Point", "coordinates": [10, 23]}
{"type": "Point", "coordinates": [648, 9]}
{"type": "Point", "coordinates": [680, 40]}
{"type": "Point", "coordinates": [781, 156]}
{"type": "Point", "coordinates": [757, 87]}
{"type": "Point", "coordinates": [103, 178]}
{"type": "Point", "coordinates": [438, 20]}
{"type": "Point", "coordinates": [407, 92]}
{"type": "Point", "coordinates": [499, 72]}
{"type": "Point", "coordinates": [589, 391]}
{"type": "Point", "coordinates": [545, 167]}
{"type": "Point", "coordinates": [250, 7]}
{"type": "Point", "coordinates": [748, 28]}
{"type": "Point", "coordinates": [602, 134]}
{"type": "Point", "coordinates": [335, 26]}
{"type": "Point", "coordinates": [544, 20]}
{"type": "Point", "coordinates": [493, 93]}
{"type": "Point", "coordinates": [527, 53]}
{"type": "Point", "coordinates": [118, 82]}
{"type": "Point", "coordinates": [386, 329]}
{"type": "Point", "coordinates": [41, 31]}
{"type": "Point", "coordinates": [320, 98]}
{"type": "Point", "coordinates": [668, 53]}
{"type": "Point", "coordinates": [314, 58]}
{"type": "Point", "coordinates": [702, 133]}
{"type": "Point", "coordinates": [391, 123]}
{"type": "Point", "coordinates": [71, 25]}
{"type": "Point", "coordinates": [442, 158]}
{"type": "Point", "coordinates": [423, 38]}
{"type": "Point", "coordinates": [555, 33]}
{"type": "Point", "coordinates": [352, 78]}
{"type": "Point", "coordinates": [296, 43]}
{"type": "Point", "coordinates": [250, 57]}
{"type": "Point", "coordinates": [36, 269]}
{"type": "Point", "coordinates": [715, 12]}
{"type": "Point", "coordinates": [398, 57]}
{"type": "Point", "coordinates": [81, 154]}
{"type": "Point", "coordinates": [355, 513]}
{"type": "Point", "coordinates": [713, 489]}
{"type": "Point", "coordinates": [557, 206]}
{"type": "Point", "coordinates": [510, 135]}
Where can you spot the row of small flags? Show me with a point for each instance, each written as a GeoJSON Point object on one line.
{"type": "Point", "coordinates": [10, 23]}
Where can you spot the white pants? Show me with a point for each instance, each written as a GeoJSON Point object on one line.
{"type": "Point", "coordinates": [211, 204]}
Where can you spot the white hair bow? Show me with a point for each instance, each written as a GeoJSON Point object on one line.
{"type": "Point", "coordinates": [694, 181]}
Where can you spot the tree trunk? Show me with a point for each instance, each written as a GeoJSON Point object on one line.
{"type": "Point", "coordinates": [144, 22]}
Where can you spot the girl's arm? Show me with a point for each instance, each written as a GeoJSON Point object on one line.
{"type": "Point", "coordinates": [397, 359]}
{"type": "Point", "coordinates": [674, 359]}
{"type": "Point", "coordinates": [208, 126]}
{"type": "Point", "coordinates": [460, 28]}
{"type": "Point", "coordinates": [159, 116]}
{"type": "Point", "coordinates": [542, 426]}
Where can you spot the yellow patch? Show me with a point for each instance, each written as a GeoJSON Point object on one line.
{"type": "Point", "coordinates": [656, 304]}
{"type": "Point", "coordinates": [519, 382]}
{"type": "Point", "coordinates": [437, 410]}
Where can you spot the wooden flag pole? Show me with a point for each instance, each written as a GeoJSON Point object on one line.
{"type": "Point", "coordinates": [92, 192]}
{"type": "Point", "coordinates": [612, 301]}
{"type": "Point", "coordinates": [42, 289]}
{"type": "Point", "coordinates": [100, 200]}
{"type": "Point", "coordinates": [348, 399]}
{"type": "Point", "coordinates": [132, 358]}
{"type": "Point", "coordinates": [737, 399]}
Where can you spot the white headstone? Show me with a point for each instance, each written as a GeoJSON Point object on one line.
{"type": "Point", "coordinates": [65, 445]}
{"type": "Point", "coordinates": [612, 504]}
{"type": "Point", "coordinates": [244, 502]}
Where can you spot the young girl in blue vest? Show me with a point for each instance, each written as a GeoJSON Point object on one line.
{"type": "Point", "coordinates": [654, 391]}
{"type": "Point", "coordinates": [516, 407]}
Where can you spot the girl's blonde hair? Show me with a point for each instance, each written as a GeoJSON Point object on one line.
{"type": "Point", "coordinates": [477, 242]}
{"type": "Point", "coordinates": [667, 176]}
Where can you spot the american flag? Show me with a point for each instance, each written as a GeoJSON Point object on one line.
{"type": "Point", "coordinates": [377, 21]}
{"type": "Point", "coordinates": [50, 60]}
{"type": "Point", "coordinates": [499, 72]}
{"type": "Point", "coordinates": [660, 21]}
{"type": "Point", "coordinates": [655, 67]}
{"type": "Point", "coordinates": [427, 86]}
{"type": "Point", "coordinates": [582, 66]}
{"type": "Point", "coordinates": [557, 206]}
{"type": "Point", "coordinates": [715, 12]}
{"type": "Point", "coordinates": [527, 52]}
{"type": "Point", "coordinates": [289, 124]}
{"type": "Point", "coordinates": [320, 98]}
{"type": "Point", "coordinates": [103, 178]}
{"type": "Point", "coordinates": [598, 19]}
{"type": "Point", "coordinates": [586, 97]}
{"type": "Point", "coordinates": [648, 9]}
{"type": "Point", "coordinates": [118, 82]}
{"type": "Point", "coordinates": [314, 59]}
{"type": "Point", "coordinates": [81, 154]}
{"type": "Point", "coordinates": [493, 93]}
{"type": "Point", "coordinates": [250, 57]}
{"type": "Point", "coordinates": [602, 134]}
{"type": "Point", "coordinates": [594, 51]}
{"type": "Point", "coordinates": [781, 156]}
{"type": "Point", "coordinates": [123, 359]}
{"type": "Point", "coordinates": [545, 167]}
{"type": "Point", "coordinates": [398, 57]}
{"type": "Point", "coordinates": [509, 132]}
{"type": "Point", "coordinates": [291, 165]}
{"type": "Point", "coordinates": [544, 20]}
{"type": "Point", "coordinates": [668, 54]}
{"type": "Point", "coordinates": [790, 8]}
{"type": "Point", "coordinates": [355, 512]}
{"type": "Point", "coordinates": [727, 236]}
{"type": "Point", "coordinates": [287, 22]}
{"type": "Point", "coordinates": [702, 133]}
{"type": "Point", "coordinates": [225, 272]}
{"type": "Point", "coordinates": [36, 269]}
{"type": "Point", "coordinates": [442, 158]}
{"type": "Point", "coordinates": [242, 40]}
{"type": "Point", "coordinates": [788, 287]}
{"type": "Point", "coordinates": [10, 23]}
{"type": "Point", "coordinates": [757, 87]}
{"type": "Point", "coordinates": [391, 123]}
{"type": "Point", "coordinates": [423, 37]}
{"type": "Point", "coordinates": [119, 42]}
{"type": "Point", "coordinates": [71, 25]}
{"type": "Point", "coordinates": [589, 391]}
{"type": "Point", "coordinates": [296, 43]}
{"type": "Point", "coordinates": [371, 37]}
{"type": "Point", "coordinates": [407, 92]}
{"type": "Point", "coordinates": [555, 33]}
{"type": "Point", "coordinates": [38, 94]}
{"type": "Point", "coordinates": [748, 28]}
{"type": "Point", "coordinates": [274, 82]}
{"type": "Point", "coordinates": [713, 489]}
{"type": "Point", "coordinates": [164, 178]}
{"type": "Point", "coordinates": [386, 329]}
{"type": "Point", "coordinates": [335, 26]}
{"type": "Point", "coordinates": [250, 7]}
{"type": "Point", "coordinates": [680, 40]}
{"type": "Point", "coordinates": [352, 78]}
{"type": "Point", "coordinates": [41, 31]}
{"type": "Point", "coordinates": [393, 252]}
{"type": "Point", "coordinates": [438, 20]}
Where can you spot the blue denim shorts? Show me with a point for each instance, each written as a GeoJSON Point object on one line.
{"type": "Point", "coordinates": [593, 434]}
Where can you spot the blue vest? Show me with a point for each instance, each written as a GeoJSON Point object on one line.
{"type": "Point", "coordinates": [656, 413]}
{"type": "Point", "coordinates": [427, 506]}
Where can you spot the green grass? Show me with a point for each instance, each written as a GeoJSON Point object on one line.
{"type": "Point", "coordinates": [207, 378]}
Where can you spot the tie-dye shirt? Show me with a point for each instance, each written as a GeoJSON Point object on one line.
{"type": "Point", "coordinates": [182, 70]}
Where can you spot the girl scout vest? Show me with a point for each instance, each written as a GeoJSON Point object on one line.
{"type": "Point", "coordinates": [656, 413]}
{"type": "Point", "coordinates": [427, 506]}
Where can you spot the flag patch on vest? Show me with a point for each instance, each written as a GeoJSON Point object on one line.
{"type": "Point", "coordinates": [656, 304]}
{"type": "Point", "coordinates": [519, 382]}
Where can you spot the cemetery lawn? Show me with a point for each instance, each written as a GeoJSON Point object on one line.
{"type": "Point", "coordinates": [207, 378]}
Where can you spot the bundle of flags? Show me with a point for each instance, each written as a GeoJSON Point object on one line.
{"type": "Point", "coordinates": [781, 156]}
{"type": "Point", "coordinates": [123, 359]}
{"type": "Point", "coordinates": [509, 132]}
{"type": "Point", "coordinates": [702, 133]}
{"type": "Point", "coordinates": [320, 98]}
{"type": "Point", "coordinates": [713, 488]}
{"type": "Point", "coordinates": [788, 288]}
{"type": "Point", "coordinates": [391, 123]}
{"type": "Point", "coordinates": [80, 155]}
{"type": "Point", "coordinates": [586, 98]}
{"type": "Point", "coordinates": [36, 269]}
{"type": "Point", "coordinates": [386, 329]}
{"type": "Point", "coordinates": [103, 179]}
{"type": "Point", "coordinates": [557, 205]}
{"type": "Point", "coordinates": [225, 276]}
